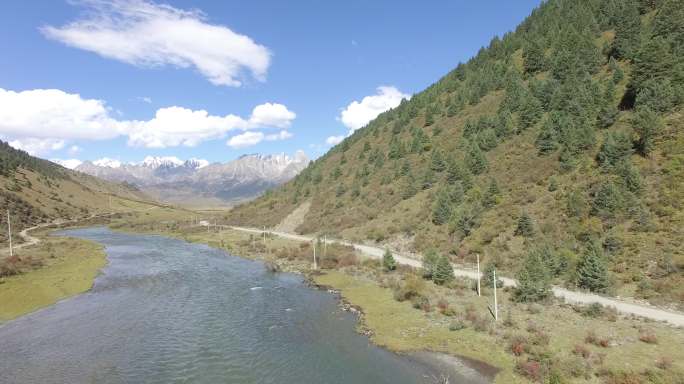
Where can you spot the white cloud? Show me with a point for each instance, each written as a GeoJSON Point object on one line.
{"type": "Point", "coordinates": [271, 115]}
{"type": "Point", "coordinates": [45, 119]}
{"type": "Point", "coordinates": [55, 114]}
{"type": "Point", "coordinates": [334, 140]}
{"type": "Point", "coordinates": [174, 126]}
{"type": "Point", "coordinates": [74, 149]}
{"type": "Point", "coordinates": [144, 99]}
{"type": "Point", "coordinates": [37, 147]}
{"type": "Point", "coordinates": [67, 163]}
{"type": "Point", "coordinates": [358, 114]}
{"type": "Point", "coordinates": [282, 135]}
{"type": "Point", "coordinates": [146, 34]}
{"type": "Point", "coordinates": [246, 139]}
{"type": "Point", "coordinates": [251, 138]}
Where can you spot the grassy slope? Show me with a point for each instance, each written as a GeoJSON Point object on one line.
{"type": "Point", "coordinates": [69, 267]}
{"type": "Point", "coordinates": [379, 213]}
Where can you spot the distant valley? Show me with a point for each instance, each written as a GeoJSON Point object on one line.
{"type": "Point", "coordinates": [198, 182]}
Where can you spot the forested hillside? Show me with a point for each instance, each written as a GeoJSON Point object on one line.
{"type": "Point", "coordinates": [561, 142]}
{"type": "Point", "coordinates": [37, 191]}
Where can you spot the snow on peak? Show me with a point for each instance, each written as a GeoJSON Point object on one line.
{"type": "Point", "coordinates": [196, 163]}
{"type": "Point", "coordinates": [107, 162]}
{"type": "Point", "coordinates": [67, 163]}
{"type": "Point", "coordinates": [159, 161]}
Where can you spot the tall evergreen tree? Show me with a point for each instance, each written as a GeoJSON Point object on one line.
{"type": "Point", "coordinates": [491, 195]}
{"type": "Point", "coordinates": [616, 149]}
{"type": "Point", "coordinates": [441, 211]}
{"type": "Point", "coordinates": [627, 30]}
{"type": "Point", "coordinates": [430, 258]}
{"type": "Point", "coordinates": [534, 280]}
{"type": "Point", "coordinates": [533, 57]}
{"type": "Point", "coordinates": [443, 272]}
{"type": "Point", "coordinates": [476, 160]}
{"type": "Point", "coordinates": [525, 226]}
{"type": "Point", "coordinates": [592, 273]}
{"type": "Point", "coordinates": [647, 125]}
{"type": "Point", "coordinates": [546, 141]}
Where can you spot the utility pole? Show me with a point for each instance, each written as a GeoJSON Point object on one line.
{"type": "Point", "coordinates": [9, 229]}
{"type": "Point", "coordinates": [496, 306]}
{"type": "Point", "coordinates": [314, 255]}
{"type": "Point", "coordinates": [478, 274]}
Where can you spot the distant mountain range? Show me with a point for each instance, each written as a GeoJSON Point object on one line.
{"type": "Point", "coordinates": [198, 182]}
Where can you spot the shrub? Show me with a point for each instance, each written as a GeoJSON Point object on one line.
{"type": "Point", "coordinates": [411, 287]}
{"type": "Point", "coordinates": [518, 345]}
{"type": "Point", "coordinates": [648, 337]}
{"type": "Point", "coordinates": [581, 350]}
{"type": "Point", "coordinates": [457, 325]}
{"type": "Point", "coordinates": [388, 261]}
{"type": "Point", "coordinates": [530, 369]}
{"type": "Point", "coordinates": [421, 302]}
{"type": "Point", "coordinates": [664, 363]}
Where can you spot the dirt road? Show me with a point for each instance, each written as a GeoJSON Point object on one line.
{"type": "Point", "coordinates": [641, 310]}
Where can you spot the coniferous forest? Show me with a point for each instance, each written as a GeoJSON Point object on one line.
{"type": "Point", "coordinates": [562, 141]}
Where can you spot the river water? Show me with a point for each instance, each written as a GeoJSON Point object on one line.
{"type": "Point", "coordinates": [167, 311]}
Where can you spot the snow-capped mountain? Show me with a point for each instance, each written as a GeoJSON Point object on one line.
{"type": "Point", "coordinates": [175, 180]}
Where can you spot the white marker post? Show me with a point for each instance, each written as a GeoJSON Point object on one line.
{"type": "Point", "coordinates": [264, 236]}
{"type": "Point", "coordinates": [496, 306]}
{"type": "Point", "coordinates": [325, 245]}
{"type": "Point", "coordinates": [9, 229]}
{"type": "Point", "coordinates": [314, 255]}
{"type": "Point", "coordinates": [478, 274]}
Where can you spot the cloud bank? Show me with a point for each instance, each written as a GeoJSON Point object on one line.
{"type": "Point", "coordinates": [44, 120]}
{"type": "Point", "coordinates": [359, 113]}
{"type": "Point", "coordinates": [146, 34]}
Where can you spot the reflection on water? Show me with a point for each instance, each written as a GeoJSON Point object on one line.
{"type": "Point", "coordinates": [165, 311]}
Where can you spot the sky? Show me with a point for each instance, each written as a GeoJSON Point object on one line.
{"type": "Point", "coordinates": [125, 79]}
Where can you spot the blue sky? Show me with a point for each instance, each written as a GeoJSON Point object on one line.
{"type": "Point", "coordinates": [303, 62]}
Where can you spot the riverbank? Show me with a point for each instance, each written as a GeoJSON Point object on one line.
{"type": "Point", "coordinates": [552, 341]}
{"type": "Point", "coordinates": [53, 270]}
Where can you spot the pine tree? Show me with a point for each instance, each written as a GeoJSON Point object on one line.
{"type": "Point", "coordinates": [476, 160]}
{"type": "Point", "coordinates": [429, 263]}
{"type": "Point", "coordinates": [530, 112]}
{"type": "Point", "coordinates": [525, 226]}
{"type": "Point", "coordinates": [488, 275]}
{"type": "Point", "coordinates": [409, 188]}
{"type": "Point", "coordinates": [546, 141]}
{"type": "Point", "coordinates": [491, 196]}
{"type": "Point", "coordinates": [437, 163]}
{"type": "Point", "coordinates": [533, 57]}
{"type": "Point", "coordinates": [592, 273]}
{"type": "Point", "coordinates": [608, 111]}
{"type": "Point", "coordinates": [608, 200]}
{"type": "Point", "coordinates": [388, 261]}
{"type": "Point", "coordinates": [618, 74]}
{"type": "Point", "coordinates": [627, 30]}
{"type": "Point", "coordinates": [646, 124]}
{"type": "Point", "coordinates": [631, 178]}
{"type": "Point", "coordinates": [534, 280]}
{"type": "Point", "coordinates": [441, 212]}
{"type": "Point", "coordinates": [443, 272]}
{"type": "Point", "coordinates": [487, 139]}
{"type": "Point", "coordinates": [616, 148]}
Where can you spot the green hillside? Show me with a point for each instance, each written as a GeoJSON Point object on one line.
{"type": "Point", "coordinates": [38, 191]}
{"type": "Point", "coordinates": [564, 139]}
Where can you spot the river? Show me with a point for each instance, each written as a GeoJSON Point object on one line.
{"type": "Point", "coordinates": [168, 311]}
